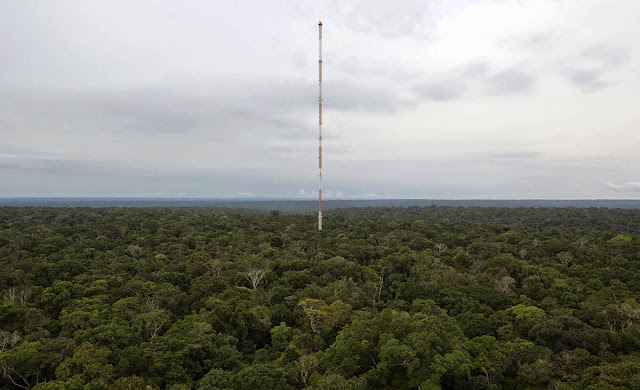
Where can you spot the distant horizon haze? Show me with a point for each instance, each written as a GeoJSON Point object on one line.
{"type": "Point", "coordinates": [307, 205]}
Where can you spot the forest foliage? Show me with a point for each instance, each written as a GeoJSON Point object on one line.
{"type": "Point", "coordinates": [383, 298]}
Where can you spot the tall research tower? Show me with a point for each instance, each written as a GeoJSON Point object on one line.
{"type": "Point", "coordinates": [320, 126]}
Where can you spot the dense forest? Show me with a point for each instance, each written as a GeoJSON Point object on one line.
{"type": "Point", "coordinates": [383, 298]}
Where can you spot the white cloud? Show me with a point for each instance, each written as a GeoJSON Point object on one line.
{"type": "Point", "coordinates": [629, 187]}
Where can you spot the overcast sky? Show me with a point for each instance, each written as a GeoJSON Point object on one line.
{"type": "Point", "coordinates": [423, 99]}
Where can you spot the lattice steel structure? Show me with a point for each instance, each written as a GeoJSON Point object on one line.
{"type": "Point", "coordinates": [320, 126]}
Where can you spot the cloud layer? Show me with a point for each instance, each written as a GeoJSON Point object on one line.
{"type": "Point", "coordinates": [422, 99]}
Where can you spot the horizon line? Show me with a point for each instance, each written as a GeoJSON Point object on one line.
{"type": "Point", "coordinates": [284, 198]}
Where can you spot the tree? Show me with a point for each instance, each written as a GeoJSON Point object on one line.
{"type": "Point", "coordinates": [440, 247]}
{"type": "Point", "coordinates": [217, 379]}
{"type": "Point", "coordinates": [132, 383]}
{"type": "Point", "coordinates": [487, 357]}
{"type": "Point", "coordinates": [89, 362]}
{"type": "Point", "coordinates": [136, 251]}
{"type": "Point", "coordinates": [561, 333]}
{"type": "Point", "coordinates": [280, 336]}
{"type": "Point", "coordinates": [375, 290]}
{"type": "Point", "coordinates": [400, 349]}
{"type": "Point", "coordinates": [338, 382]}
{"type": "Point", "coordinates": [21, 365]}
{"type": "Point", "coordinates": [216, 266]}
{"type": "Point", "coordinates": [151, 323]}
{"type": "Point", "coordinates": [305, 365]}
{"type": "Point", "coordinates": [254, 276]}
{"type": "Point", "coordinates": [323, 317]}
{"type": "Point", "coordinates": [17, 297]}
{"type": "Point", "coordinates": [505, 284]}
{"type": "Point", "coordinates": [260, 377]}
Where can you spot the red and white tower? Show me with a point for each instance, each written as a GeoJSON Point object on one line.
{"type": "Point", "coordinates": [320, 127]}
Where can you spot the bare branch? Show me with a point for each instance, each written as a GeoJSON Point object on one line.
{"type": "Point", "coordinates": [255, 275]}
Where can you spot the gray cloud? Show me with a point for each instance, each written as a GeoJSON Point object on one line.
{"type": "Point", "coordinates": [596, 61]}
{"type": "Point", "coordinates": [224, 110]}
{"type": "Point", "coordinates": [81, 180]}
{"type": "Point", "coordinates": [453, 85]}
{"type": "Point", "coordinates": [301, 149]}
{"type": "Point", "coordinates": [475, 70]}
{"type": "Point", "coordinates": [56, 164]}
{"type": "Point", "coordinates": [536, 40]}
{"type": "Point", "coordinates": [346, 95]}
{"type": "Point", "coordinates": [630, 187]}
{"type": "Point", "coordinates": [388, 19]}
{"type": "Point", "coordinates": [401, 18]}
{"type": "Point", "coordinates": [68, 176]}
{"type": "Point", "coordinates": [441, 91]}
{"type": "Point", "coordinates": [511, 81]}
{"type": "Point", "coordinates": [493, 174]}
{"type": "Point", "coordinates": [512, 155]}
{"type": "Point", "coordinates": [458, 83]}
{"type": "Point", "coordinates": [391, 69]}
{"type": "Point", "coordinates": [607, 56]}
{"type": "Point", "coordinates": [587, 80]}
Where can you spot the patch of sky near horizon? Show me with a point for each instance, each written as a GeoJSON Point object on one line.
{"type": "Point", "coordinates": [444, 99]}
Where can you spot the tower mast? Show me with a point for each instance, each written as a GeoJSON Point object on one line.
{"type": "Point", "coordinates": [320, 126]}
